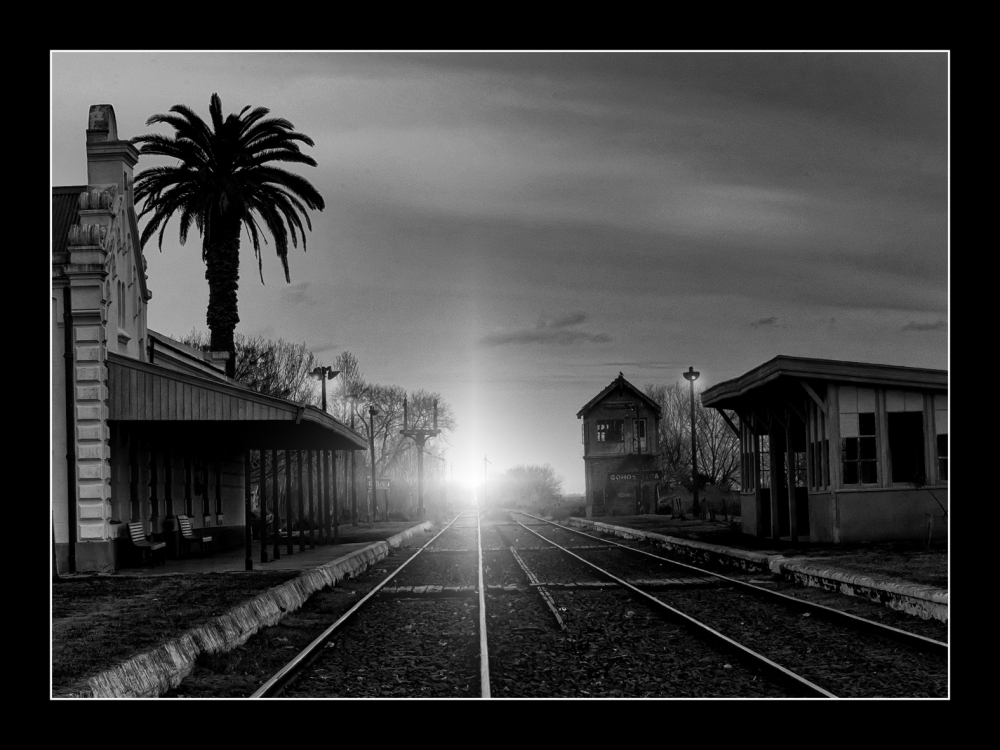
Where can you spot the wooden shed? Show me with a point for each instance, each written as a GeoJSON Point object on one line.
{"type": "Point", "coordinates": [840, 451]}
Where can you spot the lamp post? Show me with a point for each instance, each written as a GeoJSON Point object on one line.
{"type": "Point", "coordinates": [322, 374]}
{"type": "Point", "coordinates": [372, 411]}
{"type": "Point", "coordinates": [692, 375]}
{"type": "Point", "coordinates": [352, 399]}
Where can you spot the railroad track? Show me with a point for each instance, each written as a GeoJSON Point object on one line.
{"type": "Point", "coordinates": [512, 609]}
{"type": "Point", "coordinates": [846, 655]}
{"type": "Point", "coordinates": [453, 629]}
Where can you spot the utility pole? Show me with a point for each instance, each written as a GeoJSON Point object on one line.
{"type": "Point", "coordinates": [419, 437]}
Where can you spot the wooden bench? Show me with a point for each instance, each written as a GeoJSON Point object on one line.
{"type": "Point", "coordinates": [146, 548]}
{"type": "Point", "coordinates": [188, 537]}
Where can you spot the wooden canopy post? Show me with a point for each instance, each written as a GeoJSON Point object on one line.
{"type": "Point", "coordinates": [312, 500]}
{"type": "Point", "coordinates": [276, 523]}
{"type": "Point", "coordinates": [248, 517]}
{"type": "Point", "coordinates": [774, 449]}
{"type": "Point", "coordinates": [336, 495]}
{"type": "Point", "coordinates": [262, 484]}
{"type": "Point", "coordinates": [793, 523]}
{"type": "Point", "coordinates": [302, 514]}
{"type": "Point", "coordinates": [324, 462]}
{"type": "Point", "coordinates": [288, 500]}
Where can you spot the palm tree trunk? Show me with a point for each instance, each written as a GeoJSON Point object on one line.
{"type": "Point", "coordinates": [222, 261]}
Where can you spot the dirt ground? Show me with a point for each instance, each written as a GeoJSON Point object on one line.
{"type": "Point", "coordinates": [99, 621]}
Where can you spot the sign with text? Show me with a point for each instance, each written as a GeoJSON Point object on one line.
{"type": "Point", "coordinates": [619, 404]}
{"type": "Point", "coordinates": [632, 477]}
{"type": "Point", "coordinates": [381, 484]}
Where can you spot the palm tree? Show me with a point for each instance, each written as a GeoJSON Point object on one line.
{"type": "Point", "coordinates": [225, 181]}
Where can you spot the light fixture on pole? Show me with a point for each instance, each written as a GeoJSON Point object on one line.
{"type": "Point", "coordinates": [322, 374]}
{"type": "Point", "coordinates": [692, 375]}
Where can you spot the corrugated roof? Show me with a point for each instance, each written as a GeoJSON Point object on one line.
{"type": "Point", "coordinates": [64, 214]}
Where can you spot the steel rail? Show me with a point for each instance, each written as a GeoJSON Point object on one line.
{"type": "Point", "coordinates": [484, 653]}
{"type": "Point", "coordinates": [919, 642]}
{"type": "Point", "coordinates": [774, 668]}
{"type": "Point", "coordinates": [288, 672]}
{"type": "Point", "coordinates": [533, 580]}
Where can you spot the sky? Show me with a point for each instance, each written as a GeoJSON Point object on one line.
{"type": "Point", "coordinates": [512, 230]}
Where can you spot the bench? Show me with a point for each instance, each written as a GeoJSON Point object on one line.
{"type": "Point", "coordinates": [188, 537]}
{"type": "Point", "coordinates": [146, 548]}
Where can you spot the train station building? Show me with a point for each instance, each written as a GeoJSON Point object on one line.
{"type": "Point", "coordinates": [840, 451]}
{"type": "Point", "coordinates": [145, 428]}
{"type": "Point", "coordinates": [620, 428]}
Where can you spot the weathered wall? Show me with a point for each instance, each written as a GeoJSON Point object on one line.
{"type": "Point", "coordinates": [877, 515]}
{"type": "Point", "coordinates": [887, 515]}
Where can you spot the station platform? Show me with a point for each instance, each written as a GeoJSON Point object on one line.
{"type": "Point", "coordinates": [154, 672]}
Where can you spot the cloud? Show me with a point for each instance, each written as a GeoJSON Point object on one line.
{"type": "Point", "coordinates": [941, 325]}
{"type": "Point", "coordinates": [558, 331]}
{"type": "Point", "coordinates": [297, 294]}
{"type": "Point", "coordinates": [773, 320]}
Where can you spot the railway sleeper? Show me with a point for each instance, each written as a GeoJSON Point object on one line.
{"type": "Point", "coordinates": [652, 585]}
{"type": "Point", "coordinates": [446, 592]}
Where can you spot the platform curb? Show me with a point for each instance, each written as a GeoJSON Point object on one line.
{"type": "Point", "coordinates": [158, 670]}
{"type": "Point", "coordinates": [925, 602]}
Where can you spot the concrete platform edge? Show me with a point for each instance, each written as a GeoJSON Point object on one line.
{"type": "Point", "coordinates": [922, 601]}
{"type": "Point", "coordinates": [154, 672]}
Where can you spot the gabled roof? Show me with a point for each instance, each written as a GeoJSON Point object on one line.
{"type": "Point", "coordinates": [831, 370]}
{"type": "Point", "coordinates": [619, 383]}
{"type": "Point", "coordinates": [65, 201]}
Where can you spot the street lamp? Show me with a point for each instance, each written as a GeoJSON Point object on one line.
{"type": "Point", "coordinates": [322, 374]}
{"type": "Point", "coordinates": [691, 375]}
{"type": "Point", "coordinates": [372, 411]}
{"type": "Point", "coordinates": [352, 399]}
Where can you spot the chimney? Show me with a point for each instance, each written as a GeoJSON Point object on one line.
{"type": "Point", "coordinates": [109, 160]}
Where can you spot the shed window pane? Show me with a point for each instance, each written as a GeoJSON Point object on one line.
{"type": "Point", "coordinates": [906, 446]}
{"type": "Point", "coordinates": [850, 472]}
{"type": "Point", "coordinates": [848, 425]}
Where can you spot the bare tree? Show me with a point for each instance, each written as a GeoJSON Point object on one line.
{"type": "Point", "coordinates": [275, 368]}
{"type": "Point", "coordinates": [718, 445]}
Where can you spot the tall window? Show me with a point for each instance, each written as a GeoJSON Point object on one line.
{"type": "Point", "coordinates": [747, 473]}
{"type": "Point", "coordinates": [610, 431]}
{"type": "Point", "coordinates": [121, 304]}
{"type": "Point", "coordinates": [905, 422]}
{"type": "Point", "coordinates": [639, 432]}
{"type": "Point", "coordinates": [765, 462]}
{"type": "Point", "coordinates": [858, 446]}
{"type": "Point", "coordinates": [941, 428]}
{"type": "Point", "coordinates": [906, 446]}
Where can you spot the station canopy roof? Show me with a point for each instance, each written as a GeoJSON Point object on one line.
{"type": "Point", "coordinates": [784, 371]}
{"type": "Point", "coordinates": [199, 408]}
